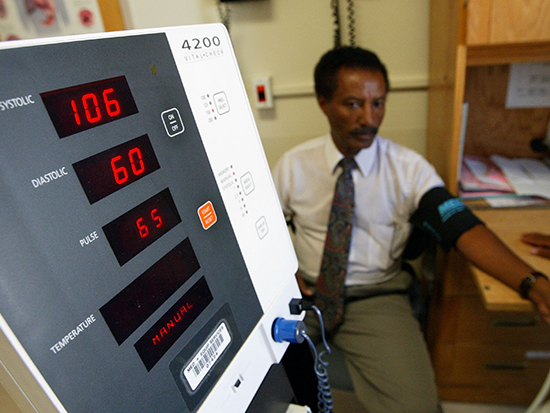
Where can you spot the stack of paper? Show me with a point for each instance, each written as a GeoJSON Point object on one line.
{"type": "Point", "coordinates": [529, 177]}
{"type": "Point", "coordinates": [479, 177]}
{"type": "Point", "coordinates": [504, 181]}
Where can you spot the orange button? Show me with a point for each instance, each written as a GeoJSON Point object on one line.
{"type": "Point", "coordinates": [207, 215]}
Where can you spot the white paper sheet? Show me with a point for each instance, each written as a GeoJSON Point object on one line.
{"type": "Point", "coordinates": [528, 85]}
{"type": "Point", "coordinates": [529, 177]}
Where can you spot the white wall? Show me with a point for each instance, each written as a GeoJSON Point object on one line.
{"type": "Point", "coordinates": [284, 39]}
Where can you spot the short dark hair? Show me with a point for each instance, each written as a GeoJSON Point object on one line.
{"type": "Point", "coordinates": [349, 57]}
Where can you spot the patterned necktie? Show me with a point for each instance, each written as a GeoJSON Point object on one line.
{"type": "Point", "coordinates": [330, 285]}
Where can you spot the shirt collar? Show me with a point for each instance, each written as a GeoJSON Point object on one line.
{"type": "Point", "coordinates": [365, 159]}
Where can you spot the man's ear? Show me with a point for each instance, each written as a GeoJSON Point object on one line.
{"type": "Point", "coordinates": [322, 101]}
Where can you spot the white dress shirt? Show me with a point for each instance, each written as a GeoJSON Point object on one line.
{"type": "Point", "coordinates": [389, 183]}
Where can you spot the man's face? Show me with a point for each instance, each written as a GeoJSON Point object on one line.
{"type": "Point", "coordinates": [356, 109]}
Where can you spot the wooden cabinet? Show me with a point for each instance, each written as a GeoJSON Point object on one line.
{"type": "Point", "coordinates": [472, 44]}
{"type": "Point", "coordinates": [111, 14]}
{"type": "Point", "coordinates": [480, 355]}
{"type": "Point", "coordinates": [484, 356]}
{"type": "Point", "coordinates": [507, 21]}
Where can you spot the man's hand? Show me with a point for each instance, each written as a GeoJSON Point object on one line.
{"type": "Point", "coordinates": [540, 243]}
{"type": "Point", "coordinates": [304, 288]}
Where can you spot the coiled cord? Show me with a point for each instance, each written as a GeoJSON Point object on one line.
{"type": "Point", "coordinates": [325, 402]}
{"type": "Point", "coordinates": [335, 5]}
{"type": "Point", "coordinates": [336, 18]}
{"type": "Point", "coordinates": [351, 22]}
{"type": "Point", "coordinates": [225, 13]}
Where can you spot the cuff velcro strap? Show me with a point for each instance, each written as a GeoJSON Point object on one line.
{"type": "Point", "coordinates": [443, 216]}
{"type": "Point", "coordinates": [528, 283]}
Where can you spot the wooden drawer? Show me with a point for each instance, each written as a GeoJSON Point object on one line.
{"type": "Point", "coordinates": [489, 374]}
{"type": "Point", "coordinates": [484, 356]}
{"type": "Point", "coordinates": [476, 325]}
{"type": "Point", "coordinates": [459, 315]}
{"type": "Point", "coordinates": [464, 320]}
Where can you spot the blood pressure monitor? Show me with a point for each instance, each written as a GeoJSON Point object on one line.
{"type": "Point", "coordinates": [143, 252]}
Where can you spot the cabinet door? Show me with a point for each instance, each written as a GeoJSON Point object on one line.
{"type": "Point", "coordinates": [507, 21]}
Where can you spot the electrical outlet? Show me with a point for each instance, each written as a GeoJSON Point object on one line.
{"type": "Point", "coordinates": [263, 98]}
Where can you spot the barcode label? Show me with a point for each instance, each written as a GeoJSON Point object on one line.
{"type": "Point", "coordinates": [205, 359]}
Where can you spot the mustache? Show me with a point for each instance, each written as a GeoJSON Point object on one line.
{"type": "Point", "coordinates": [366, 130]}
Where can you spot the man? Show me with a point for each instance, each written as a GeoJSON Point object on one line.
{"type": "Point", "coordinates": [393, 187]}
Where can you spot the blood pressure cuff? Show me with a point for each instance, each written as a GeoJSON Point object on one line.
{"type": "Point", "coordinates": [444, 216]}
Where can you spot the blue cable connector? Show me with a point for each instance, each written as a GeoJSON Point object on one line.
{"type": "Point", "coordinates": [291, 331]}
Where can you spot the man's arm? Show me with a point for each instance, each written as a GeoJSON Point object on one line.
{"type": "Point", "coordinates": [454, 225]}
{"type": "Point", "coordinates": [488, 252]}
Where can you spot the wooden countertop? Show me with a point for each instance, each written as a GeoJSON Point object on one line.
{"type": "Point", "coordinates": [509, 224]}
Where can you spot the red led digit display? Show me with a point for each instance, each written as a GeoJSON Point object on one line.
{"type": "Point", "coordinates": [79, 108]}
{"type": "Point", "coordinates": [132, 232]}
{"type": "Point", "coordinates": [106, 172]}
{"type": "Point", "coordinates": [126, 311]}
{"type": "Point", "coordinates": [165, 332]}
